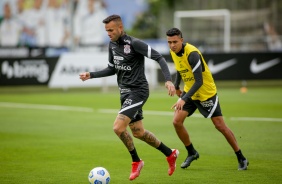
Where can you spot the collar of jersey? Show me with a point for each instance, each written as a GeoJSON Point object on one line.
{"type": "Point", "coordinates": [121, 39]}
{"type": "Point", "coordinates": [181, 52]}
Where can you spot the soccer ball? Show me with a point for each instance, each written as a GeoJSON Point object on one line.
{"type": "Point", "coordinates": [99, 175]}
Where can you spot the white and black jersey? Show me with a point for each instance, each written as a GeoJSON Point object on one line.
{"type": "Point", "coordinates": [126, 60]}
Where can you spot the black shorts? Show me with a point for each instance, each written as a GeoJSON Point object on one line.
{"type": "Point", "coordinates": [209, 108]}
{"type": "Point", "coordinates": [132, 102]}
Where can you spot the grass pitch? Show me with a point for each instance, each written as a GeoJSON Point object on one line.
{"type": "Point", "coordinates": [55, 137]}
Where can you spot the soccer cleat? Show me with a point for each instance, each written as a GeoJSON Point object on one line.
{"type": "Point", "coordinates": [171, 159]}
{"type": "Point", "coordinates": [243, 164]}
{"type": "Point", "coordinates": [189, 160]}
{"type": "Point", "coordinates": [136, 168]}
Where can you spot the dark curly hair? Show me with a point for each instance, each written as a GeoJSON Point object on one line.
{"type": "Point", "coordinates": [173, 32]}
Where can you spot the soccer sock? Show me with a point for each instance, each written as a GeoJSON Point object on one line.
{"type": "Point", "coordinates": [190, 149]}
{"type": "Point", "coordinates": [164, 149]}
{"type": "Point", "coordinates": [134, 155]}
{"type": "Point", "coordinates": [240, 155]}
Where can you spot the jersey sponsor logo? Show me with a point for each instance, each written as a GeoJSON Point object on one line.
{"type": "Point", "coordinates": [123, 67]}
{"type": "Point", "coordinates": [216, 68]}
{"type": "Point", "coordinates": [127, 49]}
{"type": "Point", "coordinates": [188, 79]}
{"type": "Point", "coordinates": [116, 61]}
{"type": "Point", "coordinates": [183, 71]}
{"type": "Point", "coordinates": [257, 68]}
{"type": "Point", "coordinates": [197, 95]}
{"type": "Point", "coordinates": [118, 57]}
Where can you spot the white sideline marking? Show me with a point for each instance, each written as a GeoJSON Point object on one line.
{"type": "Point", "coordinates": [195, 115]}
{"type": "Point", "coordinates": [161, 113]}
{"type": "Point", "coordinates": [115, 111]}
{"type": "Point", "coordinates": [45, 107]}
{"type": "Point", "coordinates": [255, 119]}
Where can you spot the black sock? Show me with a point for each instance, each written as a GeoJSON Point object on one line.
{"type": "Point", "coordinates": [240, 155]}
{"type": "Point", "coordinates": [134, 155]}
{"type": "Point", "coordinates": [164, 149]}
{"type": "Point", "coordinates": [190, 149]}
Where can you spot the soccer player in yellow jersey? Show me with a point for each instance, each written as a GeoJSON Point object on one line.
{"type": "Point", "coordinates": [199, 93]}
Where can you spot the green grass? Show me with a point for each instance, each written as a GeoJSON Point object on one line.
{"type": "Point", "coordinates": [55, 147]}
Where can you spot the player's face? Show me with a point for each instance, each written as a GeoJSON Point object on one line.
{"type": "Point", "coordinates": [114, 30]}
{"type": "Point", "coordinates": [175, 43]}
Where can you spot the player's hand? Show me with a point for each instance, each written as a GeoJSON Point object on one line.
{"type": "Point", "coordinates": [178, 92]}
{"type": "Point", "coordinates": [84, 76]}
{"type": "Point", "coordinates": [170, 87]}
{"type": "Point", "coordinates": [178, 106]}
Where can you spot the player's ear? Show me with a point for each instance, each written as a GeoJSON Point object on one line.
{"type": "Point", "coordinates": [120, 26]}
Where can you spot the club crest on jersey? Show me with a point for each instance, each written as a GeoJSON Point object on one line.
{"type": "Point", "coordinates": [127, 49]}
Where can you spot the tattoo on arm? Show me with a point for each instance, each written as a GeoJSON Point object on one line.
{"type": "Point", "coordinates": [150, 139]}
{"type": "Point", "coordinates": [127, 140]}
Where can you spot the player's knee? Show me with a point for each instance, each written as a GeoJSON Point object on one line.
{"type": "Point", "coordinates": [220, 126]}
{"type": "Point", "coordinates": [177, 123]}
{"type": "Point", "coordinates": [118, 130]}
{"type": "Point", "coordinates": [219, 123]}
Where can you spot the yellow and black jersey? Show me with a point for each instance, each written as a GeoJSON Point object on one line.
{"type": "Point", "coordinates": [186, 69]}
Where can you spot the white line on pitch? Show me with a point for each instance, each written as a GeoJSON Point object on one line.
{"type": "Point", "coordinates": [44, 107]}
{"type": "Point", "coordinates": [195, 115]}
{"type": "Point", "coordinates": [161, 113]}
{"type": "Point", "coordinates": [255, 119]}
{"type": "Point", "coordinates": [85, 109]}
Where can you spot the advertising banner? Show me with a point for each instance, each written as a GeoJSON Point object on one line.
{"type": "Point", "coordinates": [243, 66]}
{"type": "Point", "coordinates": [70, 65]}
{"type": "Point", "coordinates": [63, 72]}
{"type": "Point", "coordinates": [26, 71]}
